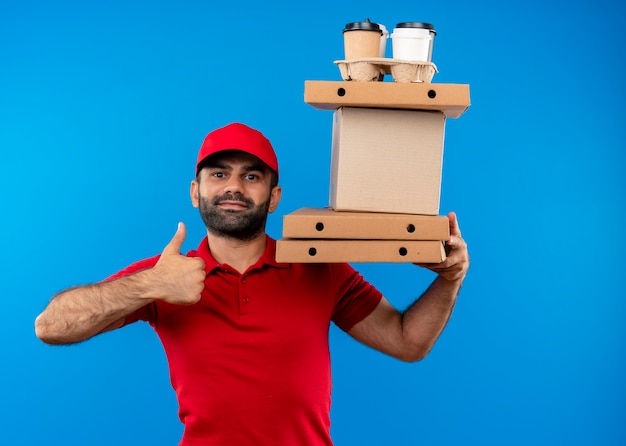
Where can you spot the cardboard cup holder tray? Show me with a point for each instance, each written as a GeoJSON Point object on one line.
{"type": "Point", "coordinates": [374, 70]}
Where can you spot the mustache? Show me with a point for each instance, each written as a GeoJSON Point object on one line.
{"type": "Point", "coordinates": [232, 197]}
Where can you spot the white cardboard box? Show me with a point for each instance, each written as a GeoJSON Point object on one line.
{"type": "Point", "coordinates": [386, 160]}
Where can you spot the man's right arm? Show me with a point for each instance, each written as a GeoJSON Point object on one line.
{"type": "Point", "coordinates": [79, 313]}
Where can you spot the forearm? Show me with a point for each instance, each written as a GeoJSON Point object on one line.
{"type": "Point", "coordinates": [425, 319]}
{"type": "Point", "coordinates": [79, 313]}
{"type": "Point", "coordinates": [409, 336]}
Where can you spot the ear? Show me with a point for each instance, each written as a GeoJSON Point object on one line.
{"type": "Point", "coordinates": [193, 193]}
{"type": "Point", "coordinates": [275, 195]}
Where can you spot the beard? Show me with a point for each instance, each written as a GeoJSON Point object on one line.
{"type": "Point", "coordinates": [243, 225]}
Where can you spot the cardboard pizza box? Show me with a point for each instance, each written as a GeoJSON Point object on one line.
{"type": "Point", "coordinates": [326, 223]}
{"type": "Point", "coordinates": [451, 99]}
{"type": "Point", "coordinates": [355, 251]}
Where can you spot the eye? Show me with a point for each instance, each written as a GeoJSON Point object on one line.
{"type": "Point", "coordinates": [251, 177]}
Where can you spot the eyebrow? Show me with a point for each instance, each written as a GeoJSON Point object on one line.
{"type": "Point", "coordinates": [247, 168]}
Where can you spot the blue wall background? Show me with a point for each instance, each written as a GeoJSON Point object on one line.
{"type": "Point", "coordinates": [104, 105]}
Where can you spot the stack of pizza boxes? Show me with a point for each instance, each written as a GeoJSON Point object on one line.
{"type": "Point", "coordinates": [386, 168]}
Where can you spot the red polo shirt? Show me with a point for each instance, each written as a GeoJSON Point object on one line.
{"type": "Point", "coordinates": [250, 362]}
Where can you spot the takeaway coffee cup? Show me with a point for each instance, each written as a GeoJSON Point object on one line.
{"type": "Point", "coordinates": [362, 40]}
{"type": "Point", "coordinates": [413, 41]}
{"type": "Point", "coordinates": [383, 40]}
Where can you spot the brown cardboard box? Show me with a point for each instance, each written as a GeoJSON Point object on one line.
{"type": "Point", "coordinates": [338, 251]}
{"type": "Point", "coordinates": [325, 223]}
{"type": "Point", "coordinates": [386, 160]}
{"type": "Point", "coordinates": [451, 99]}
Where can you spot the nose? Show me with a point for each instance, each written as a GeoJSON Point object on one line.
{"type": "Point", "coordinates": [233, 185]}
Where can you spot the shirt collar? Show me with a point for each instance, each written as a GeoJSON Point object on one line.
{"type": "Point", "coordinates": [267, 258]}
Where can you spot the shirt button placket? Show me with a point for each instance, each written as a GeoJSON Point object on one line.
{"type": "Point", "coordinates": [244, 299]}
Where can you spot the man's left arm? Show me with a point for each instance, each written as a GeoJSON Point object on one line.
{"type": "Point", "coordinates": [410, 335]}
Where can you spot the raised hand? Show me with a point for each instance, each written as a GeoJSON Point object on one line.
{"type": "Point", "coordinates": [179, 279]}
{"type": "Point", "coordinates": [457, 260]}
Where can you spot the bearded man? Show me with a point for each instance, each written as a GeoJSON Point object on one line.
{"type": "Point", "coordinates": [246, 337]}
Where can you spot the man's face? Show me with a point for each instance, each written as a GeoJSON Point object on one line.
{"type": "Point", "coordinates": [234, 195]}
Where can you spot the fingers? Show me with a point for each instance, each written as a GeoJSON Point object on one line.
{"type": "Point", "coordinates": [455, 243]}
{"type": "Point", "coordinates": [455, 266]}
{"type": "Point", "coordinates": [173, 247]}
{"type": "Point", "coordinates": [455, 230]}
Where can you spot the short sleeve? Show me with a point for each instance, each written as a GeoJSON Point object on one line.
{"type": "Point", "coordinates": [357, 298]}
{"type": "Point", "coordinates": [135, 268]}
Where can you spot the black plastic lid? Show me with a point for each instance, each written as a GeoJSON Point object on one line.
{"type": "Point", "coordinates": [422, 25]}
{"type": "Point", "coordinates": [363, 26]}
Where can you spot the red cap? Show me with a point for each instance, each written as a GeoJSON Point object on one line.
{"type": "Point", "coordinates": [238, 136]}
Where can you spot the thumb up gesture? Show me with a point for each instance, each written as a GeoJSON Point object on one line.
{"type": "Point", "coordinates": [179, 279]}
